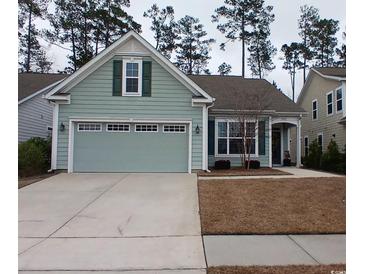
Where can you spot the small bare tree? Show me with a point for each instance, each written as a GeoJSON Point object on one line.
{"type": "Point", "coordinates": [248, 111]}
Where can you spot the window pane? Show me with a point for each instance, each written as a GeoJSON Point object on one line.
{"type": "Point", "coordinates": [329, 98]}
{"type": "Point", "coordinates": [314, 105]}
{"type": "Point", "coordinates": [132, 85]}
{"type": "Point", "coordinates": [315, 114]}
{"type": "Point", "coordinates": [222, 146]}
{"type": "Point", "coordinates": [234, 129]}
{"type": "Point", "coordinates": [329, 108]}
{"type": "Point", "coordinates": [251, 146]}
{"type": "Point", "coordinates": [306, 142]}
{"type": "Point", "coordinates": [339, 105]}
{"type": "Point", "coordinates": [250, 129]}
{"type": "Point", "coordinates": [235, 146]}
{"type": "Point", "coordinates": [222, 129]}
{"type": "Point", "coordinates": [339, 94]}
{"type": "Point", "coordinates": [132, 69]}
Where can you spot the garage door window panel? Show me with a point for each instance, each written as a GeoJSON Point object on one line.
{"type": "Point", "coordinates": [174, 128]}
{"type": "Point", "coordinates": [146, 128]}
{"type": "Point", "coordinates": [118, 128]}
{"type": "Point", "coordinates": [89, 127]}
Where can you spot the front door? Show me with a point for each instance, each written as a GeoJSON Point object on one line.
{"type": "Point", "coordinates": [276, 147]}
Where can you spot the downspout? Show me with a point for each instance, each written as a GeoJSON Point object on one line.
{"type": "Point", "coordinates": [206, 149]}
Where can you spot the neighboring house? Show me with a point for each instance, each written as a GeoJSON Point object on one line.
{"type": "Point", "coordinates": [324, 98]}
{"type": "Point", "coordinates": [35, 112]}
{"type": "Point", "coordinates": [131, 110]}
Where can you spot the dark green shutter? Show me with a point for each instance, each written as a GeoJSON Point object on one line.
{"type": "Point", "coordinates": [117, 77]}
{"type": "Point", "coordinates": [146, 78]}
{"type": "Point", "coordinates": [262, 138]}
{"type": "Point", "coordinates": [211, 129]}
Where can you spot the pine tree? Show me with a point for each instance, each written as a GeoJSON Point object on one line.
{"type": "Point", "coordinates": [192, 53]}
{"type": "Point", "coordinates": [164, 28]}
{"type": "Point", "coordinates": [224, 69]}
{"type": "Point", "coordinates": [324, 42]}
{"type": "Point", "coordinates": [308, 18]}
{"type": "Point", "coordinates": [111, 22]}
{"type": "Point", "coordinates": [292, 61]}
{"type": "Point", "coordinates": [237, 19]}
{"type": "Point", "coordinates": [341, 53]}
{"type": "Point", "coordinates": [261, 50]}
{"type": "Point", "coordinates": [30, 51]}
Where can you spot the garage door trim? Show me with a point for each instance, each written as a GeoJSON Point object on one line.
{"type": "Point", "coordinates": [73, 121]}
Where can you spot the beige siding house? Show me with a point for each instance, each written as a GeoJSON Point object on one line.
{"type": "Point", "coordinates": [324, 98]}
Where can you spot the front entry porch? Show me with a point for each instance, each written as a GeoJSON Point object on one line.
{"type": "Point", "coordinates": [280, 131]}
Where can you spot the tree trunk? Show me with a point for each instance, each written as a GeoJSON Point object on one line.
{"type": "Point", "coordinates": [27, 65]}
{"type": "Point", "coordinates": [73, 48]}
{"type": "Point", "coordinates": [243, 47]}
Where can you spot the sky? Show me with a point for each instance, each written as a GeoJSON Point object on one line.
{"type": "Point", "coordinates": [283, 30]}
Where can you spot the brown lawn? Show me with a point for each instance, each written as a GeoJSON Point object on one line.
{"type": "Point", "coordinates": [290, 269]}
{"type": "Point", "coordinates": [273, 206]}
{"type": "Point", "coordinates": [238, 171]}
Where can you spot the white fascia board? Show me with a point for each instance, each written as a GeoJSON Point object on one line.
{"type": "Point", "coordinates": [330, 77]}
{"type": "Point", "coordinates": [108, 53]}
{"type": "Point", "coordinates": [39, 92]}
{"type": "Point", "coordinates": [60, 97]}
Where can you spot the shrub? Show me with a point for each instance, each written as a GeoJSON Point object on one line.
{"type": "Point", "coordinates": [34, 156]}
{"type": "Point", "coordinates": [254, 164]}
{"type": "Point", "coordinates": [222, 164]}
{"type": "Point", "coordinates": [333, 160]}
{"type": "Point", "coordinates": [313, 159]}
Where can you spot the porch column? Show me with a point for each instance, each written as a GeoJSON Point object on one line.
{"type": "Point", "coordinates": [299, 146]}
{"type": "Point", "coordinates": [54, 136]}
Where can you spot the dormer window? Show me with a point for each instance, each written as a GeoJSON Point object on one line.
{"type": "Point", "coordinates": [132, 77]}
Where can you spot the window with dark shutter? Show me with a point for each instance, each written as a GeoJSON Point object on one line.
{"type": "Point", "coordinates": [211, 136]}
{"type": "Point", "coordinates": [261, 137]}
{"type": "Point", "coordinates": [117, 77]}
{"type": "Point", "coordinates": [146, 78]}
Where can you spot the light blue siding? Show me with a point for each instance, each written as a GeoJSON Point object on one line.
{"type": "Point", "coordinates": [236, 160]}
{"type": "Point", "coordinates": [92, 97]}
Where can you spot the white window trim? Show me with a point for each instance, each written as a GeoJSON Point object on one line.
{"type": "Point", "coordinates": [340, 88]}
{"type": "Point", "coordinates": [139, 124]}
{"type": "Point", "coordinates": [96, 130]}
{"type": "Point", "coordinates": [121, 131]}
{"type": "Point", "coordinates": [320, 134]}
{"type": "Point", "coordinates": [163, 128]}
{"type": "Point", "coordinates": [333, 103]}
{"type": "Point", "coordinates": [216, 154]}
{"type": "Point", "coordinates": [124, 81]}
{"type": "Point", "coordinates": [315, 100]}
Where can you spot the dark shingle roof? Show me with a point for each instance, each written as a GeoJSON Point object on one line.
{"type": "Point", "coordinates": [29, 83]}
{"type": "Point", "coordinates": [331, 71]}
{"type": "Point", "coordinates": [226, 88]}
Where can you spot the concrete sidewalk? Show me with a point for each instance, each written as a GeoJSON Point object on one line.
{"type": "Point", "coordinates": [244, 250]}
{"type": "Point", "coordinates": [294, 171]}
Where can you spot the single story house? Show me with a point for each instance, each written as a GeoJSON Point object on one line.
{"type": "Point", "coordinates": [131, 110]}
{"type": "Point", "coordinates": [35, 112]}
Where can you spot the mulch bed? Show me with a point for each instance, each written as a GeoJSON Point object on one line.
{"type": "Point", "coordinates": [239, 171]}
{"type": "Point", "coordinates": [273, 206]}
{"type": "Point", "coordinates": [290, 269]}
{"type": "Point", "coordinates": [26, 181]}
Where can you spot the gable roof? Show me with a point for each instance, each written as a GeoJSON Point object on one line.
{"type": "Point", "coordinates": [225, 88]}
{"type": "Point", "coordinates": [109, 52]}
{"type": "Point", "coordinates": [329, 73]}
{"type": "Point", "coordinates": [30, 83]}
{"type": "Point", "coordinates": [332, 71]}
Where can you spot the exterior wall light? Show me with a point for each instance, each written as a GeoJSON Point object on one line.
{"type": "Point", "coordinates": [62, 127]}
{"type": "Point", "coordinates": [197, 129]}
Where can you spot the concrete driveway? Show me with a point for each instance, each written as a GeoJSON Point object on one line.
{"type": "Point", "coordinates": [111, 222]}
